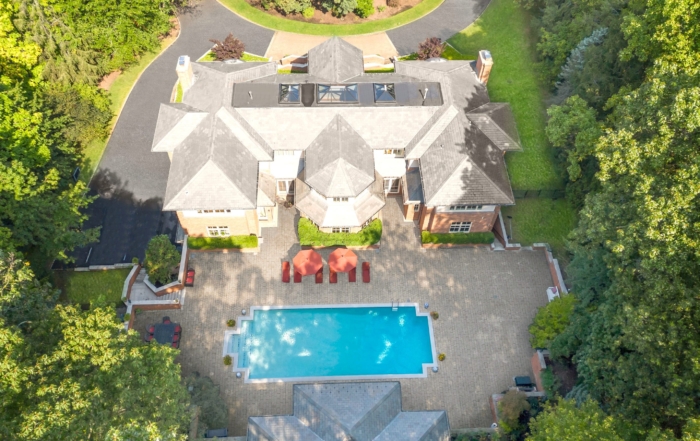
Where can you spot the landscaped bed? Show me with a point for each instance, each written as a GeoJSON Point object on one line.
{"type": "Point", "coordinates": [309, 235]}
{"type": "Point", "coordinates": [457, 238]}
{"type": "Point", "coordinates": [222, 243]}
{"type": "Point", "coordinates": [209, 56]}
{"type": "Point", "coordinates": [85, 287]}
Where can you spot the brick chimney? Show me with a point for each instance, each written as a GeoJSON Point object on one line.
{"type": "Point", "coordinates": [184, 72]}
{"type": "Point", "coordinates": [483, 66]}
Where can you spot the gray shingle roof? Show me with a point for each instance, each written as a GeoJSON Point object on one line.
{"type": "Point", "coordinates": [417, 426]}
{"type": "Point", "coordinates": [339, 163]}
{"type": "Point", "coordinates": [497, 122]}
{"type": "Point", "coordinates": [335, 61]}
{"type": "Point", "coordinates": [175, 122]}
{"type": "Point", "coordinates": [284, 427]}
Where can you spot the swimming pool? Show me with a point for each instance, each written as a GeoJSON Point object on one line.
{"type": "Point", "coordinates": [332, 342]}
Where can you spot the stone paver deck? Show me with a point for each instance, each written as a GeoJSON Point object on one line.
{"type": "Point", "coordinates": [486, 301]}
{"type": "Point", "coordinates": [285, 43]}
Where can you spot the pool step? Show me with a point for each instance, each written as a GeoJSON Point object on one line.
{"type": "Point", "coordinates": [394, 306]}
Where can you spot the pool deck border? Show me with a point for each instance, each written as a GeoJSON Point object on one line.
{"type": "Point", "coordinates": [246, 371]}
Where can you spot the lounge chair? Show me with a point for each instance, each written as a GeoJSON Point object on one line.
{"type": "Point", "coordinates": [352, 275]}
{"type": "Point", "coordinates": [319, 276]}
{"type": "Point", "coordinates": [297, 277]}
{"type": "Point", "coordinates": [285, 271]}
{"type": "Point", "coordinates": [365, 272]}
{"type": "Point", "coordinates": [333, 276]}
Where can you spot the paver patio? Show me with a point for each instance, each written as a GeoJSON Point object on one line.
{"type": "Point", "coordinates": [286, 43]}
{"type": "Point", "coordinates": [486, 301]}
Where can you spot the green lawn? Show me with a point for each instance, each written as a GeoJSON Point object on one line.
{"type": "Point", "coordinates": [220, 243]}
{"type": "Point", "coordinates": [541, 220]}
{"type": "Point", "coordinates": [89, 286]}
{"type": "Point", "coordinates": [242, 8]}
{"type": "Point", "coordinates": [118, 93]}
{"type": "Point", "coordinates": [503, 29]}
{"type": "Point", "coordinates": [309, 234]}
{"type": "Point", "coordinates": [457, 238]}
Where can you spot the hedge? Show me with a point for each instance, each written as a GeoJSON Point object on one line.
{"type": "Point", "coordinates": [219, 243]}
{"type": "Point", "coordinates": [309, 235]}
{"type": "Point", "coordinates": [457, 238]}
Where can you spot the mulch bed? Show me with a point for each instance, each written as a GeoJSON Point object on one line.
{"type": "Point", "coordinates": [321, 17]}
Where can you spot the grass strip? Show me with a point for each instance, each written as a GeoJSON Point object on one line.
{"type": "Point", "coordinates": [310, 235]}
{"type": "Point", "coordinates": [222, 243]}
{"type": "Point", "coordinates": [81, 287]}
{"type": "Point", "coordinates": [457, 238]}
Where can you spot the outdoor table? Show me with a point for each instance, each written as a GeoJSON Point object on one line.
{"type": "Point", "coordinates": [164, 333]}
{"type": "Point", "coordinates": [342, 260]}
{"type": "Point", "coordinates": [307, 262]}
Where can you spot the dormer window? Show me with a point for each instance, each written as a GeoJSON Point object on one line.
{"type": "Point", "coordinates": [340, 199]}
{"type": "Point", "coordinates": [343, 93]}
{"type": "Point", "coordinates": [289, 94]}
{"type": "Point", "coordinates": [384, 93]}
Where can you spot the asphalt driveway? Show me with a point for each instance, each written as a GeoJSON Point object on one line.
{"type": "Point", "coordinates": [130, 180]}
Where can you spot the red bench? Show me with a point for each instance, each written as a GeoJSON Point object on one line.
{"type": "Point", "coordinates": [365, 272]}
{"type": "Point", "coordinates": [189, 278]}
{"type": "Point", "coordinates": [352, 275]}
{"type": "Point", "coordinates": [297, 277]}
{"type": "Point", "coordinates": [285, 271]}
{"type": "Point", "coordinates": [333, 278]}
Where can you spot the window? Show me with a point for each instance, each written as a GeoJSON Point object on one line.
{"type": "Point", "coordinates": [341, 229]}
{"type": "Point", "coordinates": [460, 227]}
{"type": "Point", "coordinates": [218, 231]}
{"type": "Point", "coordinates": [212, 211]}
{"type": "Point", "coordinates": [384, 93]}
{"type": "Point", "coordinates": [262, 213]}
{"type": "Point", "coordinates": [416, 208]}
{"type": "Point", "coordinates": [465, 207]}
{"type": "Point", "coordinates": [399, 153]}
{"type": "Point", "coordinates": [284, 153]}
{"type": "Point", "coordinates": [340, 199]}
{"type": "Point", "coordinates": [285, 186]}
{"type": "Point", "coordinates": [289, 93]}
{"type": "Point", "coordinates": [391, 185]}
{"type": "Point", "coordinates": [337, 94]}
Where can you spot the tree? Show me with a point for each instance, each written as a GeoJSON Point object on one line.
{"type": "Point", "coordinates": [431, 48]}
{"type": "Point", "coordinates": [565, 421]}
{"type": "Point", "coordinates": [230, 48]}
{"type": "Point", "coordinates": [161, 258]}
{"type": "Point", "coordinates": [205, 394]}
{"type": "Point", "coordinates": [551, 320]}
{"type": "Point", "coordinates": [511, 406]}
{"type": "Point", "coordinates": [78, 375]}
{"type": "Point", "coordinates": [22, 297]}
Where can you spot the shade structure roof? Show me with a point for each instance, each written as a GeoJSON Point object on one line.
{"type": "Point", "coordinates": [342, 260]}
{"type": "Point", "coordinates": [307, 262]}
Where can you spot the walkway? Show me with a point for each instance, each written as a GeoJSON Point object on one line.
{"type": "Point", "coordinates": [285, 43]}
{"type": "Point", "coordinates": [131, 180]}
{"type": "Point", "coordinates": [486, 302]}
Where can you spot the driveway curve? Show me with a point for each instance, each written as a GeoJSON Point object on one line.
{"type": "Point", "coordinates": [130, 180]}
{"type": "Point", "coordinates": [449, 18]}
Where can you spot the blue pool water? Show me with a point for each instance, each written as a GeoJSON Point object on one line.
{"type": "Point", "coordinates": [315, 342]}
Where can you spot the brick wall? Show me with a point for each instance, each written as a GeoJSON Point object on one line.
{"type": "Point", "coordinates": [482, 221]}
{"type": "Point", "coordinates": [238, 226]}
{"type": "Point", "coordinates": [409, 212]}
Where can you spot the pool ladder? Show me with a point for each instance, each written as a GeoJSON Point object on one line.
{"type": "Point", "coordinates": [394, 306]}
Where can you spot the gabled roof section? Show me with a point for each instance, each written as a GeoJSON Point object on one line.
{"type": "Point", "coordinates": [339, 163]}
{"type": "Point", "coordinates": [463, 166]}
{"type": "Point", "coordinates": [335, 60]}
{"type": "Point", "coordinates": [497, 122]}
{"type": "Point", "coordinates": [212, 169]}
{"type": "Point", "coordinates": [175, 123]}
{"type": "Point", "coordinates": [266, 190]}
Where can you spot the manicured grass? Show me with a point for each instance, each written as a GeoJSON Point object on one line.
{"type": "Point", "coordinates": [310, 235]}
{"type": "Point", "coordinates": [178, 93]}
{"type": "Point", "coordinates": [81, 287]}
{"type": "Point", "coordinates": [118, 92]}
{"type": "Point", "coordinates": [221, 243]}
{"type": "Point", "coordinates": [451, 53]}
{"type": "Point", "coordinates": [503, 29]}
{"type": "Point", "coordinates": [541, 220]}
{"type": "Point", "coordinates": [381, 70]}
{"type": "Point", "coordinates": [242, 8]}
{"type": "Point", "coordinates": [209, 56]}
{"type": "Point", "coordinates": [457, 238]}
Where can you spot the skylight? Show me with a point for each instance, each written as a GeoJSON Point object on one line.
{"type": "Point", "coordinates": [346, 93]}
{"type": "Point", "coordinates": [384, 93]}
{"type": "Point", "coordinates": [289, 93]}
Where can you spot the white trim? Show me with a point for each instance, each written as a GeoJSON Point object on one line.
{"type": "Point", "coordinates": [246, 371]}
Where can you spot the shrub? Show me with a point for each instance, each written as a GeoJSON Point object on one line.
{"type": "Point", "coordinates": [339, 8]}
{"type": "Point", "coordinates": [510, 407]}
{"type": "Point", "coordinates": [393, 3]}
{"type": "Point", "coordinates": [135, 260]}
{"type": "Point", "coordinates": [457, 238]}
{"type": "Point", "coordinates": [431, 48]}
{"type": "Point", "coordinates": [308, 12]}
{"type": "Point", "coordinates": [205, 394]}
{"type": "Point", "coordinates": [435, 315]}
{"type": "Point", "coordinates": [365, 8]}
{"type": "Point", "coordinates": [230, 48]}
{"type": "Point", "coordinates": [441, 357]}
{"type": "Point", "coordinates": [292, 6]}
{"type": "Point", "coordinates": [231, 323]}
{"type": "Point", "coordinates": [222, 243]}
{"type": "Point", "coordinates": [381, 8]}
{"type": "Point", "coordinates": [551, 320]}
{"type": "Point", "coordinates": [227, 360]}
{"type": "Point", "coordinates": [161, 257]}
{"type": "Point", "coordinates": [310, 235]}
{"type": "Point", "coordinates": [127, 317]}
{"type": "Point", "coordinates": [550, 382]}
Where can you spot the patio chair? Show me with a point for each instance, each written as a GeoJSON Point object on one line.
{"type": "Point", "coordinates": [178, 329]}
{"type": "Point", "coordinates": [319, 276]}
{"type": "Point", "coordinates": [333, 276]}
{"type": "Point", "coordinates": [297, 277]}
{"type": "Point", "coordinates": [166, 320]}
{"type": "Point", "coordinates": [189, 277]}
{"type": "Point", "coordinates": [285, 271]}
{"type": "Point", "coordinates": [352, 275]}
{"type": "Point", "coordinates": [147, 338]}
{"type": "Point", "coordinates": [365, 272]}
{"type": "Point", "coordinates": [175, 345]}
{"type": "Point", "coordinates": [176, 337]}
{"type": "Point", "coordinates": [151, 329]}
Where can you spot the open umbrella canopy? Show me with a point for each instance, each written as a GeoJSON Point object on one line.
{"type": "Point", "coordinates": [307, 262]}
{"type": "Point", "coordinates": [342, 260]}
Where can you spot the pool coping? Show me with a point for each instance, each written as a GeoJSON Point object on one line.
{"type": "Point", "coordinates": [246, 371]}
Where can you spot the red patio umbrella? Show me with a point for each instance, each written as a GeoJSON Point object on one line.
{"type": "Point", "coordinates": [307, 262]}
{"type": "Point", "coordinates": [342, 260]}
